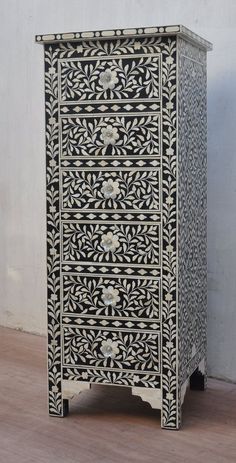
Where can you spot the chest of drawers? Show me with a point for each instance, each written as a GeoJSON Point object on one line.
{"type": "Point", "coordinates": [126, 214]}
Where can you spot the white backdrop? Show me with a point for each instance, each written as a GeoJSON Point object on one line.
{"type": "Point", "coordinates": [22, 172]}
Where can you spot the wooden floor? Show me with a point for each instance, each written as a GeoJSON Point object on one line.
{"type": "Point", "coordinates": [106, 424]}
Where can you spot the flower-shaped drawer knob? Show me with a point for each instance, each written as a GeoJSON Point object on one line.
{"type": "Point", "coordinates": [109, 135]}
{"type": "Point", "coordinates": [109, 348]}
{"type": "Point", "coordinates": [109, 242]}
{"type": "Point", "coordinates": [108, 79]}
{"type": "Point", "coordinates": [110, 296]}
{"type": "Point", "coordinates": [110, 189]}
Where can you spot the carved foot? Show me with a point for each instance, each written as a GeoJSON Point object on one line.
{"type": "Point", "coordinates": [70, 389]}
{"type": "Point", "coordinates": [171, 414]}
{"type": "Point", "coordinates": [73, 388]}
{"type": "Point", "coordinates": [152, 396]}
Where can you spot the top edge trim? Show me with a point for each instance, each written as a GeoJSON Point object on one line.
{"type": "Point", "coordinates": [183, 31]}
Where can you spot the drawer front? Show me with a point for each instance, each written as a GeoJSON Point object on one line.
{"type": "Point", "coordinates": [130, 77]}
{"type": "Point", "coordinates": [136, 243]}
{"type": "Point", "coordinates": [110, 135]}
{"type": "Point", "coordinates": [99, 297]}
{"type": "Point", "coordinates": [111, 349]}
{"type": "Point", "coordinates": [111, 189]}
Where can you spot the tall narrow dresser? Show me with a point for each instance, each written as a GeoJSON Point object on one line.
{"type": "Point", "coordinates": [126, 142]}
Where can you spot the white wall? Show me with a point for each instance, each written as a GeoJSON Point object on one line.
{"type": "Point", "coordinates": [22, 186]}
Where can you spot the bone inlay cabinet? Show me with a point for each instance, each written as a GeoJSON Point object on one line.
{"type": "Point", "coordinates": [126, 214]}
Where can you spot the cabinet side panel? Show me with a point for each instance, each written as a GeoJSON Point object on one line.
{"type": "Point", "coordinates": [53, 230]}
{"type": "Point", "coordinates": [192, 207]}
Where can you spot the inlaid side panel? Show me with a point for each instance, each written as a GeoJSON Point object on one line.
{"type": "Point", "coordinates": [192, 203]}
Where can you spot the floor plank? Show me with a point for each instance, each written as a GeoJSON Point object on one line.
{"type": "Point", "coordinates": [106, 424]}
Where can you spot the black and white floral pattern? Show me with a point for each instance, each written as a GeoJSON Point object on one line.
{"type": "Point", "coordinates": [120, 377]}
{"type": "Point", "coordinates": [170, 398]}
{"type": "Point", "coordinates": [135, 243]}
{"type": "Point", "coordinates": [101, 79]}
{"type": "Point", "coordinates": [146, 132]}
{"type": "Point", "coordinates": [139, 298]}
{"type": "Point", "coordinates": [192, 208]}
{"type": "Point", "coordinates": [135, 351]}
{"type": "Point", "coordinates": [105, 132]}
{"type": "Point", "coordinates": [119, 135]}
{"type": "Point", "coordinates": [127, 189]}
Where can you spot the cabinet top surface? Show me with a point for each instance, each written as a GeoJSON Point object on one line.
{"type": "Point", "coordinates": [179, 30]}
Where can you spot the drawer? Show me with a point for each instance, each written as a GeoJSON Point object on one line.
{"type": "Point", "coordinates": [135, 298]}
{"type": "Point", "coordinates": [111, 189]}
{"type": "Point", "coordinates": [130, 77]}
{"type": "Point", "coordinates": [104, 348]}
{"type": "Point", "coordinates": [118, 242]}
{"type": "Point", "coordinates": [116, 135]}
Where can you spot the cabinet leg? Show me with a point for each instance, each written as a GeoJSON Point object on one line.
{"type": "Point", "coordinates": [60, 410]}
{"type": "Point", "coordinates": [198, 381]}
{"type": "Point", "coordinates": [171, 413]}
{"type": "Point", "coordinates": [65, 407]}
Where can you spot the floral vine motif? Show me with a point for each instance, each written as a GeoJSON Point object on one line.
{"type": "Point", "coordinates": [139, 298]}
{"type": "Point", "coordinates": [75, 142]}
{"type": "Point", "coordinates": [109, 135]}
{"type": "Point", "coordinates": [170, 399]}
{"type": "Point", "coordinates": [117, 47]}
{"type": "Point", "coordinates": [119, 135]}
{"type": "Point", "coordinates": [136, 351]}
{"type": "Point", "coordinates": [110, 296]}
{"type": "Point", "coordinates": [53, 236]}
{"type": "Point", "coordinates": [110, 242]}
{"type": "Point", "coordinates": [125, 378]}
{"type": "Point", "coordinates": [109, 348]}
{"type": "Point", "coordinates": [138, 243]}
{"type": "Point", "coordinates": [122, 78]}
{"type": "Point", "coordinates": [128, 189]}
{"type": "Point", "coordinates": [108, 79]}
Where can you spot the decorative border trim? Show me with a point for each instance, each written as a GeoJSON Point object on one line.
{"type": "Point", "coordinates": [53, 235]}
{"type": "Point", "coordinates": [169, 325]}
{"type": "Point", "coordinates": [112, 378]}
{"type": "Point", "coordinates": [142, 31]}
